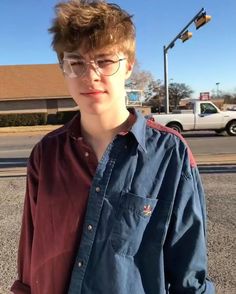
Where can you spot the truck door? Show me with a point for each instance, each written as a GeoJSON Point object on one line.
{"type": "Point", "coordinates": [208, 118]}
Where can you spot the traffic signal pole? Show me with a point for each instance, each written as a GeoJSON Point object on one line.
{"type": "Point", "coordinates": [165, 50]}
{"type": "Point", "coordinates": [166, 83]}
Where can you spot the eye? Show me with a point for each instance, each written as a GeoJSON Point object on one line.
{"type": "Point", "coordinates": [105, 62]}
{"type": "Point", "coordinates": [76, 62]}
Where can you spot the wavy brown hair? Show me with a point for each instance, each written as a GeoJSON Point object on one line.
{"type": "Point", "coordinates": [91, 26]}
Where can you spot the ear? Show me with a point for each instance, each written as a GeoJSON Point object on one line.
{"type": "Point", "coordinates": [129, 69]}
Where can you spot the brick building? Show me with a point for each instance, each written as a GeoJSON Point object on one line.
{"type": "Point", "coordinates": [37, 88]}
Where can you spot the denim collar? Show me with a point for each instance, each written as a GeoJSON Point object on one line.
{"type": "Point", "coordinates": [139, 128]}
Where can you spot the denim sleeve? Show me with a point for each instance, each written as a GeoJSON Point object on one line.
{"type": "Point", "coordinates": [185, 249]}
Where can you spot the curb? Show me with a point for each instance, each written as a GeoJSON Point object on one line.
{"type": "Point", "coordinates": [215, 159]}
{"type": "Point", "coordinates": [28, 129]}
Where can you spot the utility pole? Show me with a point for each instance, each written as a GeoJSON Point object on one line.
{"type": "Point", "coordinates": [217, 89]}
{"type": "Point", "coordinates": [200, 19]}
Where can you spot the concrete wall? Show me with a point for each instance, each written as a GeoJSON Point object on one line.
{"type": "Point", "coordinates": [50, 106]}
{"type": "Point", "coordinates": [145, 110]}
{"type": "Point", "coordinates": [67, 105]}
{"type": "Point", "coordinates": [7, 107]}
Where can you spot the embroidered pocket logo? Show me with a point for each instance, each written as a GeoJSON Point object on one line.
{"type": "Point", "coordinates": [147, 210]}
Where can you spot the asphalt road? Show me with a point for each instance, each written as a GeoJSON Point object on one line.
{"type": "Point", "coordinates": [211, 151]}
{"type": "Point", "coordinates": [221, 206]}
{"type": "Point", "coordinates": [19, 146]}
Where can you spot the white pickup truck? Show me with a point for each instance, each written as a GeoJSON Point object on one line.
{"type": "Point", "coordinates": [202, 115]}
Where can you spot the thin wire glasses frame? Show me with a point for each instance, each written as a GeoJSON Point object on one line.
{"type": "Point", "coordinates": [76, 67]}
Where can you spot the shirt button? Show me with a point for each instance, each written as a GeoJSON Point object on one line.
{"type": "Point", "coordinates": [86, 154]}
{"type": "Point", "coordinates": [80, 264]}
{"type": "Point", "coordinates": [125, 146]}
{"type": "Point", "coordinates": [97, 189]}
{"type": "Point", "coordinates": [90, 227]}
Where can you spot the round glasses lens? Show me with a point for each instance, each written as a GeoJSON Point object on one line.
{"type": "Point", "coordinates": [74, 68]}
{"type": "Point", "coordinates": [108, 65]}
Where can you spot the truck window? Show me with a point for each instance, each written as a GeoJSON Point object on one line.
{"type": "Point", "coordinates": [207, 108]}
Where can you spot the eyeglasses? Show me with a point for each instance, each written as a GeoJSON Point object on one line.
{"type": "Point", "coordinates": [76, 67]}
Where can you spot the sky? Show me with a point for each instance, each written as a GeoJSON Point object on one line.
{"type": "Point", "coordinates": [205, 63]}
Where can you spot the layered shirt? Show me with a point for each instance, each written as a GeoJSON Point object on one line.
{"type": "Point", "coordinates": [134, 222]}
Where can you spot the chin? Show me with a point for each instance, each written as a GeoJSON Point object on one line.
{"type": "Point", "coordinates": [95, 109]}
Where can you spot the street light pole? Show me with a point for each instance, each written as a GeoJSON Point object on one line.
{"type": "Point", "coordinates": [166, 81]}
{"type": "Point", "coordinates": [217, 89]}
{"type": "Point", "coordinates": [166, 48]}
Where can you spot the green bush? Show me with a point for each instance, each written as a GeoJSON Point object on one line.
{"type": "Point", "coordinates": [33, 119]}
{"type": "Point", "coordinates": [23, 119]}
{"type": "Point", "coordinates": [65, 116]}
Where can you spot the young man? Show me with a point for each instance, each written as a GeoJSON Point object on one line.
{"type": "Point", "coordinates": [114, 203]}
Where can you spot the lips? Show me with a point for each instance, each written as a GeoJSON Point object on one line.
{"type": "Point", "coordinates": [93, 92]}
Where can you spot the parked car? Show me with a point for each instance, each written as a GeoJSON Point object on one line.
{"type": "Point", "coordinates": [232, 108]}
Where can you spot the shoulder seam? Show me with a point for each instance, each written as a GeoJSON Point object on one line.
{"type": "Point", "coordinates": [165, 129]}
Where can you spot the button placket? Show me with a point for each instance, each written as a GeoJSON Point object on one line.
{"type": "Point", "coordinates": [92, 218]}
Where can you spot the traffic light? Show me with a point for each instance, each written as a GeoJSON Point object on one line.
{"type": "Point", "coordinates": [185, 36]}
{"type": "Point", "coordinates": [201, 20]}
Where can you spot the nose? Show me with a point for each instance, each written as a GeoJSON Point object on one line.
{"type": "Point", "coordinates": [91, 72]}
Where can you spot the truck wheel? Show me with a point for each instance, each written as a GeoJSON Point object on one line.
{"type": "Point", "coordinates": [175, 127]}
{"type": "Point", "coordinates": [231, 128]}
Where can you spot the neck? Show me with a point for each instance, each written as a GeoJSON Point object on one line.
{"type": "Point", "coordinates": [99, 131]}
{"type": "Point", "coordinates": [105, 126]}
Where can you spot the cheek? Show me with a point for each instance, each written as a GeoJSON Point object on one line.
{"type": "Point", "coordinates": [115, 86]}
{"type": "Point", "coordinates": [119, 80]}
{"type": "Point", "coordinates": [72, 87]}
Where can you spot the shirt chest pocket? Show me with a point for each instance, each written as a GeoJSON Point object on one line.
{"type": "Point", "coordinates": [130, 222]}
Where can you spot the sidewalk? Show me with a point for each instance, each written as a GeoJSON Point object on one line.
{"type": "Point", "coordinates": [27, 129]}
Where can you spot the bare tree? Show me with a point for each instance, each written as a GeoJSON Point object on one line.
{"type": "Point", "coordinates": [139, 78]}
{"type": "Point", "coordinates": [178, 91]}
{"type": "Point", "coordinates": [154, 90]}
{"type": "Point", "coordinates": [228, 98]}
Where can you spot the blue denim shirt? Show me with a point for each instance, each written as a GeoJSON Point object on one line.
{"type": "Point", "coordinates": [144, 229]}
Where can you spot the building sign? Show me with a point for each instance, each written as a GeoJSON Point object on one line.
{"type": "Point", "coordinates": [205, 96]}
{"type": "Point", "coordinates": [134, 96]}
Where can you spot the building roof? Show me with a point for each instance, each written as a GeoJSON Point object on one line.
{"type": "Point", "coordinates": [36, 81]}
